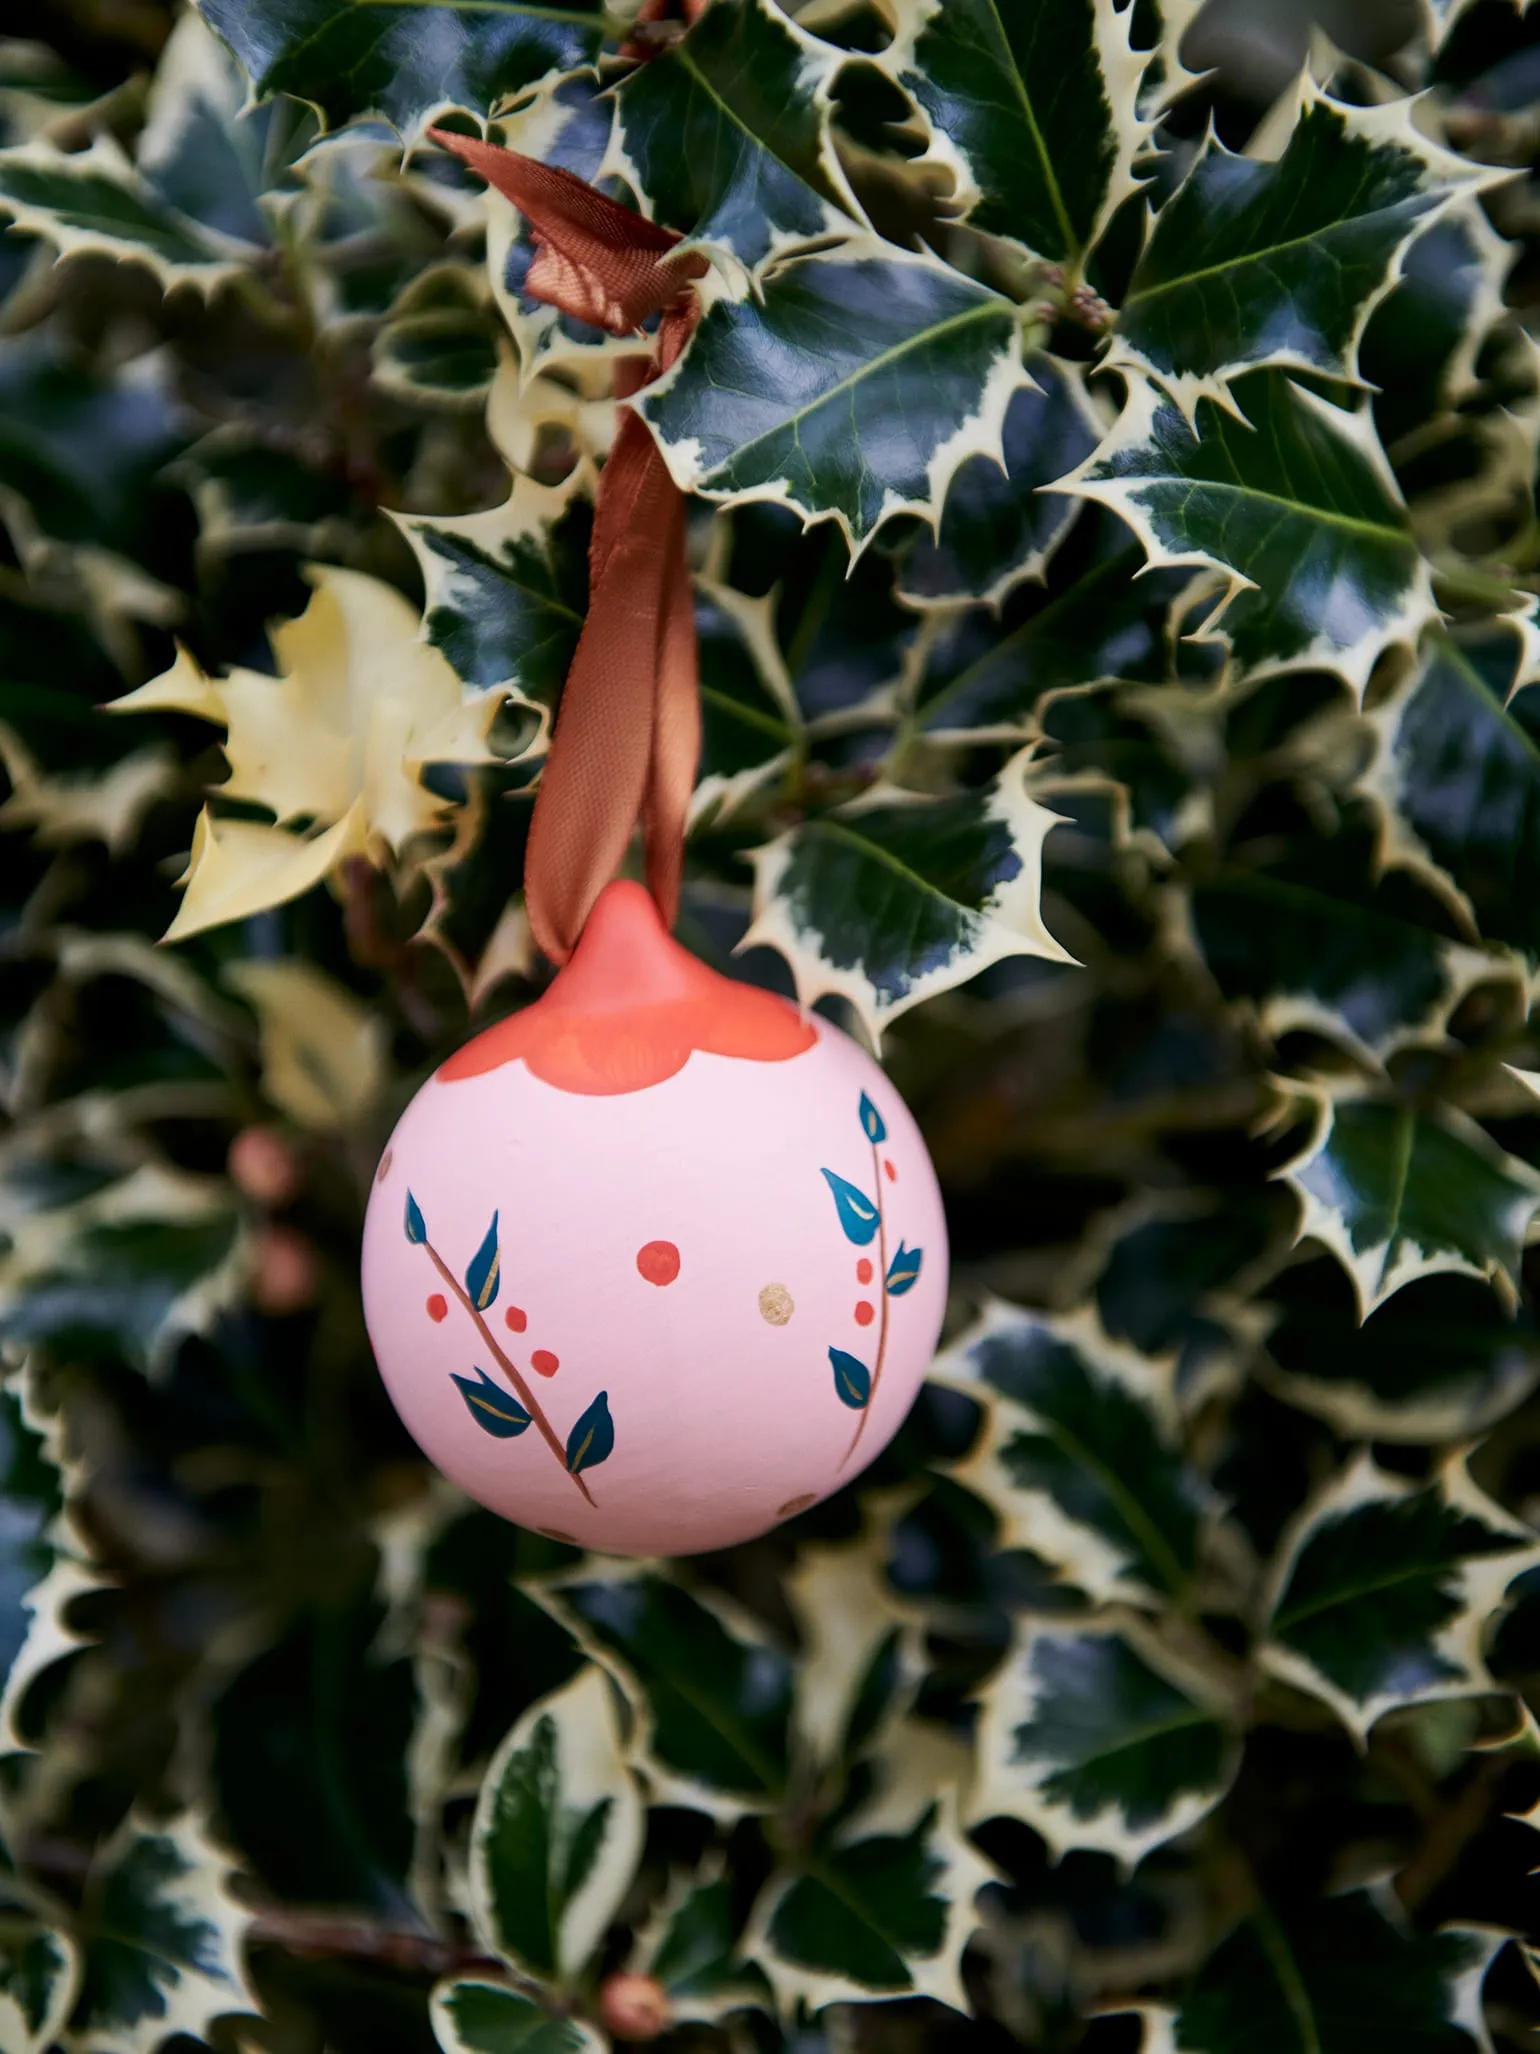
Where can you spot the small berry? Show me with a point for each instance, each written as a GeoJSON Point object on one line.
{"type": "Point", "coordinates": [634, 2007]}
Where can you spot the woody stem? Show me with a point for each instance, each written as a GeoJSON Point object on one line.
{"type": "Point", "coordinates": [882, 1286]}
{"type": "Point", "coordinates": [525, 1395]}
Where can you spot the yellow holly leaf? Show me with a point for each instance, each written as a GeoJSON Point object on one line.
{"type": "Point", "coordinates": [241, 867]}
{"type": "Point", "coordinates": [83, 808]}
{"type": "Point", "coordinates": [323, 1050]}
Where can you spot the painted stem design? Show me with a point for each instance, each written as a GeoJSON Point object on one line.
{"type": "Point", "coordinates": [522, 1391]}
{"type": "Point", "coordinates": [882, 1285]}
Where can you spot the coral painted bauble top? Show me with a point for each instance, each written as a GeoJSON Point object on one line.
{"type": "Point", "coordinates": [658, 1261]}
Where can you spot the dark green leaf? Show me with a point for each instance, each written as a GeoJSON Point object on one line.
{"type": "Point", "coordinates": [1094, 1747]}
{"type": "Point", "coordinates": [853, 387]}
{"type": "Point", "coordinates": [39, 1976]}
{"type": "Point", "coordinates": [1396, 1192]}
{"type": "Point", "coordinates": [95, 201]}
{"type": "Point", "coordinates": [865, 1910]}
{"type": "Point", "coordinates": [717, 1704]}
{"type": "Point", "coordinates": [1385, 1589]}
{"type": "Point", "coordinates": [727, 134]}
{"type": "Point", "coordinates": [348, 58]}
{"type": "Point", "coordinates": [1292, 502]}
{"type": "Point", "coordinates": [1333, 1978]}
{"type": "Point", "coordinates": [1032, 108]}
{"type": "Point", "coordinates": [472, 2016]}
{"type": "Point", "coordinates": [1000, 526]}
{"type": "Point", "coordinates": [1280, 262]}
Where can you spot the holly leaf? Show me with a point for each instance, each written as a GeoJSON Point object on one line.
{"type": "Point", "coordinates": [439, 348]}
{"type": "Point", "coordinates": [1090, 1737]}
{"type": "Point", "coordinates": [163, 1940]}
{"type": "Point", "coordinates": [690, 1947]}
{"type": "Point", "coordinates": [202, 149]}
{"type": "Point", "coordinates": [861, 1653]}
{"type": "Point", "coordinates": [506, 589]}
{"type": "Point", "coordinates": [473, 2015]}
{"type": "Point", "coordinates": [558, 1832]}
{"type": "Point", "coordinates": [349, 60]}
{"type": "Point", "coordinates": [94, 202]}
{"type": "Point", "coordinates": [1400, 1191]}
{"type": "Point", "coordinates": [1283, 262]}
{"type": "Point", "coordinates": [323, 1049]}
{"type": "Point", "coordinates": [133, 1268]}
{"type": "Point", "coordinates": [1031, 109]}
{"type": "Point", "coordinates": [1312, 936]}
{"type": "Point", "coordinates": [972, 678]}
{"type": "Point", "coordinates": [1001, 523]}
{"type": "Point", "coordinates": [749, 718]}
{"type": "Point", "coordinates": [39, 1982]}
{"type": "Point", "coordinates": [1457, 774]}
{"type": "Point", "coordinates": [72, 807]}
{"type": "Point", "coordinates": [1421, 343]}
{"type": "Point", "coordinates": [1383, 1591]}
{"type": "Point", "coordinates": [725, 136]}
{"type": "Point", "coordinates": [882, 1905]}
{"type": "Point", "coordinates": [713, 1694]}
{"type": "Point", "coordinates": [893, 901]}
{"type": "Point", "coordinates": [1079, 1458]}
{"type": "Point", "coordinates": [1290, 498]}
{"type": "Point", "coordinates": [851, 389]}
{"type": "Point", "coordinates": [1294, 1981]}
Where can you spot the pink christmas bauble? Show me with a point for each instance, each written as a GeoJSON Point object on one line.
{"type": "Point", "coordinates": [657, 1262]}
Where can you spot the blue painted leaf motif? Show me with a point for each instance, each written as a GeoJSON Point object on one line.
{"type": "Point", "coordinates": [592, 1440]}
{"type": "Point", "coordinates": [858, 1216]}
{"type": "Point", "coordinates": [481, 1279]}
{"type": "Point", "coordinates": [872, 1121]}
{"type": "Point", "coordinates": [495, 1411]}
{"type": "Point", "coordinates": [416, 1225]}
{"type": "Point", "coordinates": [852, 1380]}
{"type": "Point", "coordinates": [904, 1270]}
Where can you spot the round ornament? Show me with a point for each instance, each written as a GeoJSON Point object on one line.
{"type": "Point", "coordinates": [658, 1261]}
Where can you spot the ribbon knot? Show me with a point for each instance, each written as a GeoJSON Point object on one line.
{"type": "Point", "coordinates": [627, 736]}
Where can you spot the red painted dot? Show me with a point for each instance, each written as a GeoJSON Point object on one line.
{"type": "Point", "coordinates": [865, 1314]}
{"type": "Point", "coordinates": [438, 1307]}
{"type": "Point", "coordinates": [514, 1320]}
{"type": "Point", "coordinates": [658, 1262]}
{"type": "Point", "coordinates": [863, 1271]}
{"type": "Point", "coordinates": [544, 1363]}
{"type": "Point", "coordinates": [892, 1173]}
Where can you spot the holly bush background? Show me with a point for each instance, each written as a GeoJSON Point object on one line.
{"type": "Point", "coordinates": [1112, 440]}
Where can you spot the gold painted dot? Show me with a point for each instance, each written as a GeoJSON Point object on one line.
{"type": "Point", "coordinates": [797, 1504]}
{"type": "Point", "coordinates": [775, 1304]}
{"type": "Point", "coordinates": [384, 1169]}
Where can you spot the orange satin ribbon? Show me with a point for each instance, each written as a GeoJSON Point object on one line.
{"type": "Point", "coordinates": [627, 737]}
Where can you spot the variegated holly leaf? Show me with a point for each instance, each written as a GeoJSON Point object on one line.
{"type": "Point", "coordinates": [1079, 1459]}
{"type": "Point", "coordinates": [1291, 500]}
{"type": "Point", "coordinates": [1383, 1590]}
{"type": "Point", "coordinates": [690, 1948]}
{"type": "Point", "coordinates": [1001, 524]}
{"type": "Point", "coordinates": [477, 918]}
{"type": "Point", "coordinates": [713, 1693]}
{"type": "Point", "coordinates": [163, 1940]}
{"type": "Point", "coordinates": [39, 1982]}
{"type": "Point", "coordinates": [861, 1655]}
{"type": "Point", "coordinates": [1421, 343]}
{"type": "Point", "coordinates": [252, 496]}
{"type": "Point", "coordinates": [1092, 1738]}
{"type": "Point", "coordinates": [851, 389]}
{"type": "Point", "coordinates": [94, 202]}
{"type": "Point", "coordinates": [893, 901]}
{"type": "Point", "coordinates": [474, 2015]}
{"type": "Point", "coordinates": [725, 136]}
{"type": "Point", "coordinates": [323, 1049]}
{"type": "Point", "coordinates": [1282, 262]}
{"type": "Point", "coordinates": [439, 347]}
{"type": "Point", "coordinates": [133, 1267]}
{"type": "Point", "coordinates": [1310, 935]}
{"type": "Point", "coordinates": [558, 1832]}
{"type": "Point", "coordinates": [202, 150]}
{"type": "Point", "coordinates": [406, 62]}
{"type": "Point", "coordinates": [976, 678]}
{"type": "Point", "coordinates": [1439, 1361]}
{"type": "Point", "coordinates": [1331, 1977]}
{"type": "Point", "coordinates": [750, 721]}
{"type": "Point", "coordinates": [1399, 1191]}
{"type": "Point", "coordinates": [881, 1906]}
{"type": "Point", "coordinates": [506, 589]}
{"type": "Point", "coordinates": [73, 807]}
{"type": "Point", "coordinates": [1458, 776]}
{"type": "Point", "coordinates": [1031, 108]}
